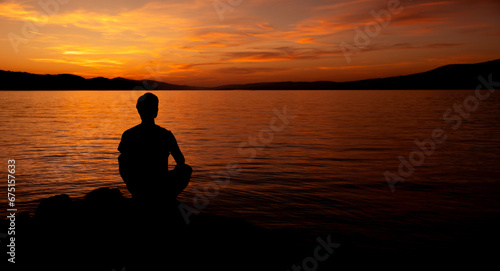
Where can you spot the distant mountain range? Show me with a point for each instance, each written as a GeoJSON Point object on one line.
{"type": "Point", "coordinates": [456, 76]}
{"type": "Point", "coordinates": [28, 81]}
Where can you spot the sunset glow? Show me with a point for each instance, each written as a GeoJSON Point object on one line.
{"type": "Point", "coordinates": [210, 43]}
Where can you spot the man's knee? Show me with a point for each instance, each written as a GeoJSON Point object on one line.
{"type": "Point", "coordinates": [184, 170]}
{"type": "Point", "coordinates": [189, 169]}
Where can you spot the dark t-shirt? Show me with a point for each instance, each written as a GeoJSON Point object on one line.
{"type": "Point", "coordinates": [144, 157]}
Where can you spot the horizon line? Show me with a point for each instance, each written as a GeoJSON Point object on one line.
{"type": "Point", "coordinates": [259, 82]}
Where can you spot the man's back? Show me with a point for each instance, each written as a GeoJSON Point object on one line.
{"type": "Point", "coordinates": [148, 144]}
{"type": "Point", "coordinates": [144, 158]}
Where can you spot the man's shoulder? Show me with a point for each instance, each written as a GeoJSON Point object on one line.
{"type": "Point", "coordinates": [161, 129]}
{"type": "Point", "coordinates": [132, 130]}
{"type": "Point", "coordinates": [140, 129]}
{"type": "Point", "coordinates": [164, 131]}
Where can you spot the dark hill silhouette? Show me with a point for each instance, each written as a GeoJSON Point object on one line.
{"type": "Point", "coordinates": [289, 85]}
{"type": "Point", "coordinates": [28, 81]}
{"type": "Point", "coordinates": [455, 76]}
{"type": "Point", "coordinates": [152, 84]}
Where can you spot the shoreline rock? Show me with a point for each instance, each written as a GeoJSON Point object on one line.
{"type": "Point", "coordinates": [105, 231]}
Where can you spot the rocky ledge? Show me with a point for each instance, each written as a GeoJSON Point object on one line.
{"type": "Point", "coordinates": [105, 231]}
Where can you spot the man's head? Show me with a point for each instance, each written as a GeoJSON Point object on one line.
{"type": "Point", "coordinates": [147, 106]}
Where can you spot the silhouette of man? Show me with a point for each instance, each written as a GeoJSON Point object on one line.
{"type": "Point", "coordinates": [143, 161]}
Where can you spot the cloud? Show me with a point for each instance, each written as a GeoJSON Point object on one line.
{"type": "Point", "coordinates": [286, 53]}
{"type": "Point", "coordinates": [204, 45]}
{"type": "Point", "coordinates": [427, 46]}
{"type": "Point", "coordinates": [191, 66]}
{"type": "Point", "coordinates": [17, 11]}
{"type": "Point", "coordinates": [266, 26]}
{"type": "Point", "coordinates": [99, 63]}
{"type": "Point", "coordinates": [247, 70]}
{"type": "Point", "coordinates": [152, 18]}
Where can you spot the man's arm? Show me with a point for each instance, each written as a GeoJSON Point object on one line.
{"type": "Point", "coordinates": [175, 151]}
{"type": "Point", "coordinates": [124, 163]}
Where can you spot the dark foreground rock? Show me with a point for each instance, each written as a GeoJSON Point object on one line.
{"type": "Point", "coordinates": [104, 231]}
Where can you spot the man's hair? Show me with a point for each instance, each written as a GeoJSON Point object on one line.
{"type": "Point", "coordinates": [147, 105]}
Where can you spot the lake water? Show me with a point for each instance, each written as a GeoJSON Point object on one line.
{"type": "Point", "coordinates": [321, 171]}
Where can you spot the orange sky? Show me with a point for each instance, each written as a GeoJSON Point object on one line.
{"type": "Point", "coordinates": [216, 42]}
